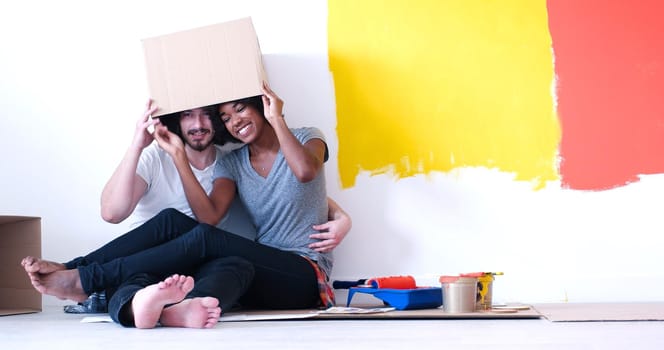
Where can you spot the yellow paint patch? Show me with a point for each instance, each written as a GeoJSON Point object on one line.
{"type": "Point", "coordinates": [431, 85]}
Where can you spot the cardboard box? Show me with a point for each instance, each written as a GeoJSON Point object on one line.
{"type": "Point", "coordinates": [20, 236]}
{"type": "Point", "coordinates": [204, 66]}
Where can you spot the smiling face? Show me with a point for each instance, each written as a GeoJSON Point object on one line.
{"type": "Point", "coordinates": [196, 127]}
{"type": "Point", "coordinates": [242, 120]}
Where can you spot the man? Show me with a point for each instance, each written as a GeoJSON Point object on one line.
{"type": "Point", "coordinates": [146, 181]}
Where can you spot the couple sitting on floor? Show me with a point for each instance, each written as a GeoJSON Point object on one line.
{"type": "Point", "coordinates": [178, 271]}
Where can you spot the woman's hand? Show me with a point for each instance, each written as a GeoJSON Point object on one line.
{"type": "Point", "coordinates": [168, 141]}
{"type": "Point", "coordinates": [273, 106]}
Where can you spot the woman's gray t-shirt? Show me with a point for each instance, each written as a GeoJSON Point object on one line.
{"type": "Point", "coordinates": [282, 208]}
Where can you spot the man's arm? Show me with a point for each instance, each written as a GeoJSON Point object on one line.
{"type": "Point", "coordinates": [125, 188]}
{"type": "Point", "coordinates": [333, 231]}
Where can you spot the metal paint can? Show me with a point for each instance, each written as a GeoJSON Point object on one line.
{"type": "Point", "coordinates": [459, 293]}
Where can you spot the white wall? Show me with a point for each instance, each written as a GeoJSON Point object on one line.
{"type": "Point", "coordinates": [72, 84]}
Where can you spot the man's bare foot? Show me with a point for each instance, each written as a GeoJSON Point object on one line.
{"type": "Point", "coordinates": [35, 266]}
{"type": "Point", "coordinates": [149, 302]}
{"type": "Point", "coordinates": [192, 313]}
{"type": "Point", "coordinates": [64, 284]}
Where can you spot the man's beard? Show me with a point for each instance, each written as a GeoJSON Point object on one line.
{"type": "Point", "coordinates": [199, 145]}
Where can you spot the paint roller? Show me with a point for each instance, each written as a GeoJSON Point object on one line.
{"type": "Point", "coordinates": [388, 282]}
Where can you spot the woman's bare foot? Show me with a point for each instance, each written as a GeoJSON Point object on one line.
{"type": "Point", "coordinates": [64, 284]}
{"type": "Point", "coordinates": [35, 266]}
{"type": "Point", "coordinates": [149, 302]}
{"type": "Point", "coordinates": [192, 313]}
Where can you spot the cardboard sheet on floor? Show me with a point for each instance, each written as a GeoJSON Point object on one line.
{"type": "Point", "coordinates": [353, 313]}
{"type": "Point", "coordinates": [379, 313]}
{"type": "Point", "coordinates": [588, 312]}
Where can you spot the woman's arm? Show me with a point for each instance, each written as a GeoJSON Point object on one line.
{"type": "Point", "coordinates": [207, 209]}
{"type": "Point", "coordinates": [304, 160]}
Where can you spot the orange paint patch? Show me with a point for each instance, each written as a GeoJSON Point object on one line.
{"type": "Point", "coordinates": [610, 68]}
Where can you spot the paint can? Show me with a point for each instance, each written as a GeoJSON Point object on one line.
{"type": "Point", "coordinates": [484, 288]}
{"type": "Point", "coordinates": [484, 292]}
{"type": "Point", "coordinates": [459, 293]}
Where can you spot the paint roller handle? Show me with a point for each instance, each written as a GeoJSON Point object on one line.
{"type": "Point", "coordinates": [390, 282]}
{"type": "Point", "coordinates": [348, 284]}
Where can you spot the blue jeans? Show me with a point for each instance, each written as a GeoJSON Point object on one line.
{"type": "Point", "coordinates": [172, 242]}
{"type": "Point", "coordinates": [233, 273]}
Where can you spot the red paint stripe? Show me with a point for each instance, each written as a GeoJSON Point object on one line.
{"type": "Point", "coordinates": [609, 60]}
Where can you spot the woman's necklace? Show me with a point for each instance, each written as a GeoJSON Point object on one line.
{"type": "Point", "coordinates": [262, 163]}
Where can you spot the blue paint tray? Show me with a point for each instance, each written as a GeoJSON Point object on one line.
{"type": "Point", "coordinates": [403, 299]}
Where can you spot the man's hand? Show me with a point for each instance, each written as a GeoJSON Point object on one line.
{"type": "Point", "coordinates": [331, 234]}
{"type": "Point", "coordinates": [142, 135]}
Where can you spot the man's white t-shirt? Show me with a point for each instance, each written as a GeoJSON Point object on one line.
{"type": "Point", "coordinates": [165, 190]}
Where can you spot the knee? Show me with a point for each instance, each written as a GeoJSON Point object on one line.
{"type": "Point", "coordinates": [206, 227]}
{"type": "Point", "coordinates": [203, 231]}
{"type": "Point", "coordinates": [170, 213]}
{"type": "Point", "coordinates": [170, 216]}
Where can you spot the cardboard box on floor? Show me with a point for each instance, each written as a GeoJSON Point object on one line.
{"type": "Point", "coordinates": [20, 236]}
{"type": "Point", "coordinates": [204, 66]}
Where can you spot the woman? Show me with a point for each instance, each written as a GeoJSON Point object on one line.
{"type": "Point", "coordinates": [279, 177]}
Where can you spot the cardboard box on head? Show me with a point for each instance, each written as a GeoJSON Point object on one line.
{"type": "Point", "coordinates": [204, 66]}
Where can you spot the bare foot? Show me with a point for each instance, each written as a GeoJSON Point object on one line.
{"type": "Point", "coordinates": [149, 302]}
{"type": "Point", "coordinates": [192, 313]}
{"type": "Point", "coordinates": [64, 284]}
{"type": "Point", "coordinates": [35, 266]}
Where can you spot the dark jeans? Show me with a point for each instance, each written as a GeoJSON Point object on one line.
{"type": "Point", "coordinates": [233, 273]}
{"type": "Point", "coordinates": [163, 227]}
{"type": "Point", "coordinates": [172, 242]}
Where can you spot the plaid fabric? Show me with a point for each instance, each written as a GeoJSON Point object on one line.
{"type": "Point", "coordinates": [326, 293]}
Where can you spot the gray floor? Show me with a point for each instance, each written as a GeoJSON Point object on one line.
{"type": "Point", "coordinates": [53, 329]}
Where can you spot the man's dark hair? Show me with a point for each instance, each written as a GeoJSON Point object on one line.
{"type": "Point", "coordinates": [221, 135]}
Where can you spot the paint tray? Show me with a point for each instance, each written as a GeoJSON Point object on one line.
{"type": "Point", "coordinates": [403, 299]}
